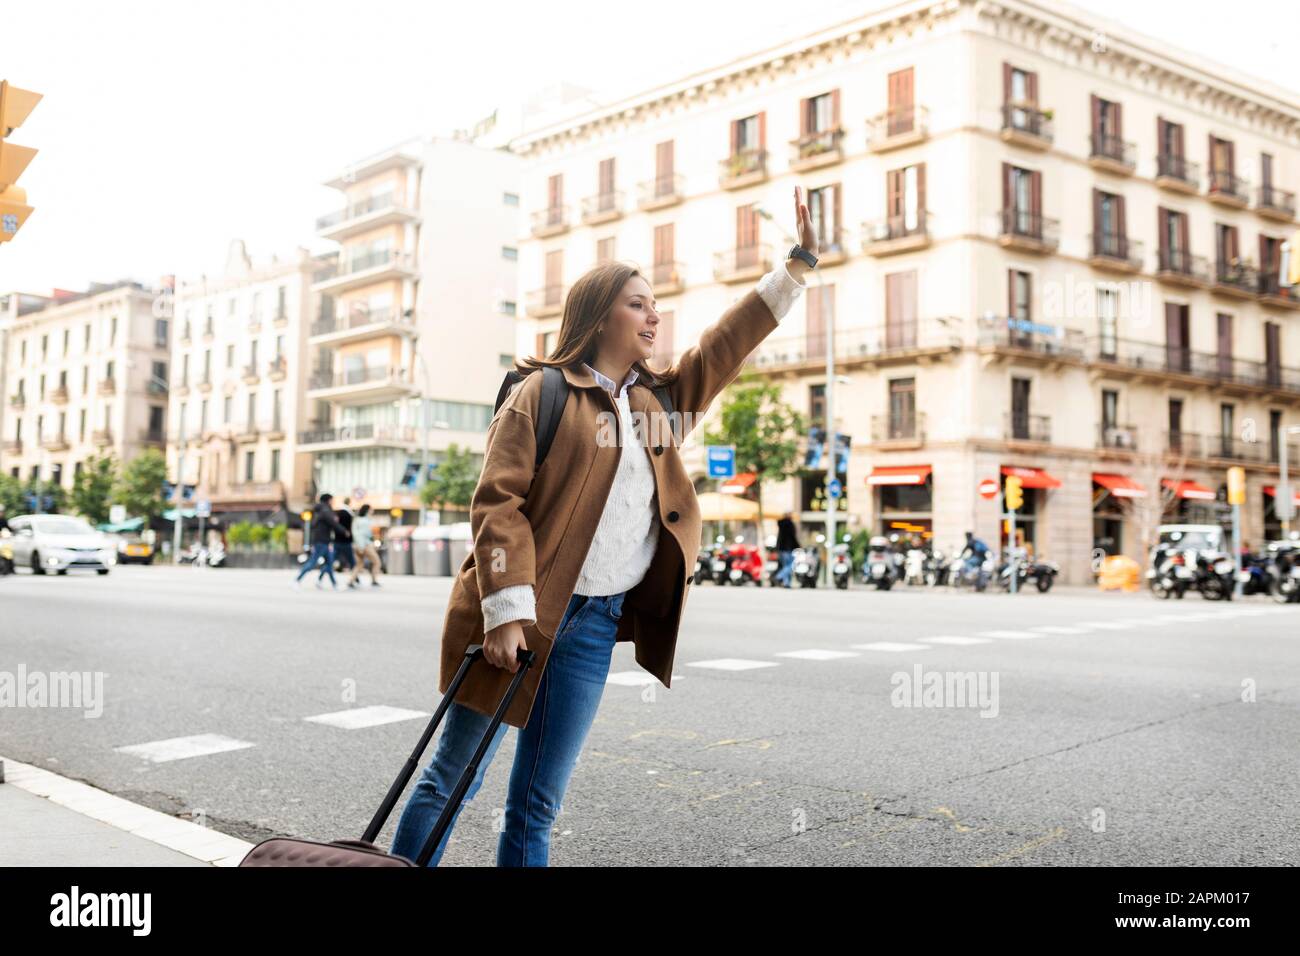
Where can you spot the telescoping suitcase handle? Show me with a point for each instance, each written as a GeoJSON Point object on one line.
{"type": "Point", "coordinates": [472, 653]}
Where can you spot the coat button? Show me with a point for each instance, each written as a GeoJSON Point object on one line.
{"type": "Point", "coordinates": [659, 449]}
{"type": "Point", "coordinates": [673, 516]}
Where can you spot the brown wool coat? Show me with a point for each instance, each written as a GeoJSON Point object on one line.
{"type": "Point", "coordinates": [540, 536]}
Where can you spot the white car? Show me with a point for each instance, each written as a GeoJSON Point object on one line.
{"type": "Point", "coordinates": [58, 543]}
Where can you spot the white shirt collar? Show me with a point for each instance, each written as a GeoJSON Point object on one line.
{"type": "Point", "coordinates": [607, 383]}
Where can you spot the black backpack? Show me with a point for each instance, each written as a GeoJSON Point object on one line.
{"type": "Point", "coordinates": [555, 392]}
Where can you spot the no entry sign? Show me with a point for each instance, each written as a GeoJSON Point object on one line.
{"type": "Point", "coordinates": [988, 488]}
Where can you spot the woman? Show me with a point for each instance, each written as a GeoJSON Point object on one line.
{"type": "Point", "coordinates": [557, 552]}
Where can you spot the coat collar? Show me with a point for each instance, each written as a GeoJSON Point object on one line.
{"type": "Point", "coordinates": [580, 376]}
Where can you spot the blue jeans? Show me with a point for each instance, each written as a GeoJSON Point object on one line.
{"type": "Point", "coordinates": [319, 551]}
{"type": "Point", "coordinates": [784, 565]}
{"type": "Point", "coordinates": [346, 559]}
{"type": "Point", "coordinates": [546, 749]}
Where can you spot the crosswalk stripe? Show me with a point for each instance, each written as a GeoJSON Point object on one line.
{"type": "Point", "coordinates": [815, 654]}
{"type": "Point", "coordinates": [733, 664]}
{"type": "Point", "coordinates": [358, 718]}
{"type": "Point", "coordinates": [1010, 635]}
{"type": "Point", "coordinates": [955, 639]}
{"type": "Point", "coordinates": [179, 748]}
{"type": "Point", "coordinates": [1060, 629]}
{"type": "Point", "coordinates": [635, 678]}
{"type": "Point", "coordinates": [891, 646]}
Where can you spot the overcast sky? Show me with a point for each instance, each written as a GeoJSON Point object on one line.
{"type": "Point", "coordinates": [169, 128]}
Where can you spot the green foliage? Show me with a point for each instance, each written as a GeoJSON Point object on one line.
{"type": "Point", "coordinates": [259, 535]}
{"type": "Point", "coordinates": [140, 485]}
{"type": "Point", "coordinates": [14, 492]}
{"type": "Point", "coordinates": [239, 533]}
{"type": "Point", "coordinates": [92, 489]}
{"type": "Point", "coordinates": [280, 536]}
{"type": "Point", "coordinates": [453, 481]}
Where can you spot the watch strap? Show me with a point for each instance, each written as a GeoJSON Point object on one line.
{"type": "Point", "coordinates": [799, 252]}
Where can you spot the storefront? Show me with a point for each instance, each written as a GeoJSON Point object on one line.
{"type": "Point", "coordinates": [1190, 503]}
{"type": "Point", "coordinates": [1272, 522]}
{"type": "Point", "coordinates": [1036, 483]}
{"type": "Point", "coordinates": [903, 499]}
{"type": "Point", "coordinates": [1112, 503]}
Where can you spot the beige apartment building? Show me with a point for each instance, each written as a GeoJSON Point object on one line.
{"type": "Point", "coordinates": [1050, 248]}
{"type": "Point", "coordinates": [238, 385]}
{"type": "Point", "coordinates": [82, 374]}
{"type": "Point", "coordinates": [415, 325]}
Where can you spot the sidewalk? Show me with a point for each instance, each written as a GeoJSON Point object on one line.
{"type": "Point", "coordinates": [48, 820]}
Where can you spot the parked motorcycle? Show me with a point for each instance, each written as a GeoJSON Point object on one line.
{"type": "Point", "coordinates": [879, 567]}
{"type": "Point", "coordinates": [703, 562]}
{"type": "Point", "coordinates": [1284, 571]}
{"type": "Point", "coordinates": [914, 563]}
{"type": "Point", "coordinates": [936, 568]}
{"type": "Point", "coordinates": [1216, 575]}
{"type": "Point", "coordinates": [1256, 577]}
{"type": "Point", "coordinates": [772, 563]}
{"type": "Point", "coordinates": [841, 564]}
{"type": "Point", "coordinates": [807, 567]}
{"type": "Point", "coordinates": [1172, 576]}
{"type": "Point", "coordinates": [719, 561]}
{"type": "Point", "coordinates": [200, 556]}
{"type": "Point", "coordinates": [745, 564]}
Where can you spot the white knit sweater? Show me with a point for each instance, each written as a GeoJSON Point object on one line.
{"type": "Point", "coordinates": [628, 532]}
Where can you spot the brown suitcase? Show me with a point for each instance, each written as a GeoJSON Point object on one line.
{"type": "Point", "coordinates": [285, 851]}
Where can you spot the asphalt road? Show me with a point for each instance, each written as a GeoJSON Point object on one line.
{"type": "Point", "coordinates": [1118, 733]}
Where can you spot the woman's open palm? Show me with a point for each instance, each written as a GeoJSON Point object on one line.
{"type": "Point", "coordinates": [807, 235]}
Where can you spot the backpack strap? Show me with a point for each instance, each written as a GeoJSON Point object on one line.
{"type": "Point", "coordinates": [512, 378]}
{"type": "Point", "coordinates": [555, 392]}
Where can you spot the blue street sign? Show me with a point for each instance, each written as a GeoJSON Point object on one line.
{"type": "Point", "coordinates": [722, 461]}
{"type": "Point", "coordinates": [204, 508]}
{"type": "Point", "coordinates": [835, 489]}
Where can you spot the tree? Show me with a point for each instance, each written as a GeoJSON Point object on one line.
{"type": "Point", "coordinates": [453, 481]}
{"type": "Point", "coordinates": [11, 495]}
{"type": "Point", "coordinates": [140, 486]}
{"type": "Point", "coordinates": [92, 488]}
{"type": "Point", "coordinates": [766, 432]}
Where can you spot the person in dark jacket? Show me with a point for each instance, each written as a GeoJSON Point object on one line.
{"type": "Point", "coordinates": [324, 526]}
{"type": "Point", "coordinates": [342, 541]}
{"type": "Point", "coordinates": [786, 543]}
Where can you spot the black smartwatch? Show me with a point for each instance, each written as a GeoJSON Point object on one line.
{"type": "Point", "coordinates": [799, 252]}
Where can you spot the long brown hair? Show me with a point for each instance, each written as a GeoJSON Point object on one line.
{"type": "Point", "coordinates": [589, 303]}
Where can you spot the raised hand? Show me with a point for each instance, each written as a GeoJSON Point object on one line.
{"type": "Point", "coordinates": [807, 235]}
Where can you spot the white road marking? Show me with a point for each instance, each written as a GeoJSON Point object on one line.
{"type": "Point", "coordinates": [891, 646]}
{"type": "Point", "coordinates": [1059, 629]}
{"type": "Point", "coordinates": [1108, 625]}
{"type": "Point", "coordinates": [955, 639]}
{"type": "Point", "coordinates": [178, 748]}
{"type": "Point", "coordinates": [1010, 635]}
{"type": "Point", "coordinates": [813, 654]}
{"type": "Point", "coordinates": [361, 717]}
{"type": "Point", "coordinates": [635, 678]}
{"type": "Point", "coordinates": [733, 664]}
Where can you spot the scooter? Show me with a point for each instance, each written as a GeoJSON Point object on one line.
{"type": "Point", "coordinates": [199, 556]}
{"type": "Point", "coordinates": [745, 565]}
{"type": "Point", "coordinates": [1215, 575]}
{"type": "Point", "coordinates": [1255, 577]}
{"type": "Point", "coordinates": [879, 568]}
{"type": "Point", "coordinates": [841, 564]}
{"type": "Point", "coordinates": [719, 561]}
{"type": "Point", "coordinates": [936, 568]}
{"type": "Point", "coordinates": [914, 567]}
{"type": "Point", "coordinates": [807, 566]}
{"type": "Point", "coordinates": [702, 565]}
{"type": "Point", "coordinates": [1043, 574]}
{"type": "Point", "coordinates": [1172, 576]}
{"type": "Point", "coordinates": [1284, 571]}
{"type": "Point", "coordinates": [772, 563]}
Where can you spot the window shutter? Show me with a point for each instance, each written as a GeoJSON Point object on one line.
{"type": "Point", "coordinates": [1011, 292]}
{"type": "Point", "coordinates": [835, 224]}
{"type": "Point", "coordinates": [1096, 119]}
{"type": "Point", "coordinates": [762, 130]}
{"type": "Point", "coordinates": [1121, 227]}
{"type": "Point", "coordinates": [1036, 196]}
{"type": "Point", "coordinates": [1006, 82]}
{"type": "Point", "coordinates": [1031, 88]}
{"type": "Point", "coordinates": [1007, 191]}
{"type": "Point", "coordinates": [1182, 233]}
{"type": "Point", "coordinates": [540, 350]}
{"type": "Point", "coordinates": [1117, 111]}
{"type": "Point", "coordinates": [735, 137]}
{"type": "Point", "coordinates": [805, 117]}
{"type": "Point", "coordinates": [894, 194]}
{"type": "Point", "coordinates": [920, 194]}
{"type": "Point", "coordinates": [835, 109]}
{"type": "Point", "coordinates": [1162, 231]}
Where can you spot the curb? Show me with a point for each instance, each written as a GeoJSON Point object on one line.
{"type": "Point", "coordinates": [191, 839]}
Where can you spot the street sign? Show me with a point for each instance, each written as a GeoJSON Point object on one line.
{"type": "Point", "coordinates": [722, 460]}
{"type": "Point", "coordinates": [203, 509]}
{"type": "Point", "coordinates": [117, 513]}
{"type": "Point", "coordinates": [834, 488]}
{"type": "Point", "coordinates": [988, 488]}
{"type": "Point", "coordinates": [358, 492]}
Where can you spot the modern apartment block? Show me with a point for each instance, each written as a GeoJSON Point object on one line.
{"type": "Point", "coordinates": [1050, 248]}
{"type": "Point", "coordinates": [238, 384]}
{"type": "Point", "coordinates": [419, 304]}
{"type": "Point", "coordinates": [83, 374]}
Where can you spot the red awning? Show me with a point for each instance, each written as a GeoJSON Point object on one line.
{"type": "Point", "coordinates": [1188, 489]}
{"type": "Point", "coordinates": [1272, 493]}
{"type": "Point", "coordinates": [1032, 477]}
{"type": "Point", "coordinates": [1120, 486]}
{"type": "Point", "coordinates": [899, 475]}
{"type": "Point", "coordinates": [737, 485]}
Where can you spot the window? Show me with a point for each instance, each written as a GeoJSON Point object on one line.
{"type": "Point", "coordinates": [252, 354]}
{"type": "Point", "coordinates": [1274, 435]}
{"type": "Point", "coordinates": [252, 410]}
{"type": "Point", "coordinates": [250, 457]}
{"type": "Point", "coordinates": [1021, 201]}
{"type": "Point", "coordinates": [1107, 129]}
{"type": "Point", "coordinates": [41, 393]}
{"type": "Point", "coordinates": [22, 352]}
{"type": "Point", "coordinates": [905, 201]}
{"type": "Point", "coordinates": [1178, 356]}
{"type": "Point", "coordinates": [745, 134]}
{"type": "Point", "coordinates": [81, 426]}
{"type": "Point", "coordinates": [85, 339]}
{"type": "Point", "coordinates": [510, 199]}
{"type": "Point", "coordinates": [901, 86]}
{"type": "Point", "coordinates": [158, 379]}
{"type": "Point", "coordinates": [230, 356]}
{"type": "Point", "coordinates": [280, 294]}
{"type": "Point", "coordinates": [67, 334]}
{"type": "Point", "coordinates": [1109, 409]}
{"type": "Point", "coordinates": [156, 413]}
{"type": "Point", "coordinates": [108, 370]}
{"type": "Point", "coordinates": [1108, 320]}
{"type": "Point", "coordinates": [605, 249]}
{"type": "Point", "coordinates": [819, 314]}
{"type": "Point", "coordinates": [45, 347]}
{"type": "Point", "coordinates": [225, 411]}
{"type": "Point", "coordinates": [1020, 408]}
{"type": "Point", "coordinates": [900, 310]}
{"type": "Point", "coordinates": [207, 365]}
{"type": "Point", "coordinates": [1110, 234]}
{"type": "Point", "coordinates": [279, 347]}
{"type": "Point", "coordinates": [507, 307]}
{"type": "Point", "coordinates": [1226, 429]}
{"type": "Point", "coordinates": [902, 408]}
{"type": "Point", "coordinates": [231, 306]}
{"type": "Point", "coordinates": [816, 403]}
{"type": "Point", "coordinates": [160, 333]}
{"type": "Point", "coordinates": [185, 369]}
{"type": "Point", "coordinates": [819, 114]}
{"type": "Point", "coordinates": [85, 379]}
{"type": "Point", "coordinates": [1224, 328]}
{"type": "Point", "coordinates": [203, 416]}
{"type": "Point", "coordinates": [275, 464]}
{"type": "Point", "coordinates": [112, 330]}
{"type": "Point", "coordinates": [509, 253]}
{"type": "Point", "coordinates": [63, 380]}
{"type": "Point", "coordinates": [275, 412]}
{"type": "Point", "coordinates": [1170, 159]}
{"type": "Point", "coordinates": [824, 208]}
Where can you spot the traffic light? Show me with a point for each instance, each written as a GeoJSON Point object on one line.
{"type": "Point", "coordinates": [15, 106]}
{"type": "Point", "coordinates": [1015, 493]}
{"type": "Point", "coordinates": [1237, 486]}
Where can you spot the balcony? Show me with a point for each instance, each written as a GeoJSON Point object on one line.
{"type": "Point", "coordinates": [1184, 444]}
{"type": "Point", "coordinates": [1026, 340]}
{"type": "Point", "coordinates": [57, 442]}
{"type": "Point", "coordinates": [277, 368]}
{"type": "Point", "coordinates": [358, 436]}
{"type": "Point", "coordinates": [1236, 278]}
{"type": "Point", "coordinates": [901, 126]}
{"type": "Point", "coordinates": [745, 168]}
{"type": "Point", "coordinates": [183, 389]}
{"type": "Point", "coordinates": [336, 330]}
{"type": "Point", "coordinates": [666, 278]}
{"type": "Point", "coordinates": [251, 375]}
{"type": "Point", "coordinates": [372, 213]}
{"type": "Point", "coordinates": [1111, 154]}
{"type": "Point", "coordinates": [833, 247]}
{"type": "Point", "coordinates": [360, 386]}
{"type": "Point", "coordinates": [247, 433]}
{"type": "Point", "coordinates": [156, 388]}
{"type": "Point", "coordinates": [1273, 293]}
{"type": "Point", "coordinates": [279, 320]}
{"type": "Point", "coordinates": [1228, 189]}
{"type": "Point", "coordinates": [1114, 252]}
{"type": "Point", "coordinates": [255, 324]}
{"type": "Point", "coordinates": [155, 438]}
{"type": "Point", "coordinates": [248, 493]}
{"type": "Point", "coordinates": [895, 234]}
{"type": "Point", "coordinates": [1179, 267]}
{"type": "Point", "coordinates": [1177, 174]}
{"type": "Point", "coordinates": [744, 264]}
{"type": "Point", "coordinates": [661, 192]}
{"type": "Point", "coordinates": [187, 337]}
{"type": "Point", "coordinates": [102, 436]}
{"type": "Point", "coordinates": [907, 341]}
{"type": "Point", "coordinates": [18, 400]}
{"type": "Point", "coordinates": [550, 221]}
{"type": "Point", "coordinates": [205, 383]}
{"type": "Point", "coordinates": [1274, 203]}
{"type": "Point", "coordinates": [1117, 438]}
{"type": "Point", "coordinates": [59, 395]}
{"type": "Point", "coordinates": [208, 332]}
{"type": "Point", "coordinates": [814, 150]}
{"type": "Point", "coordinates": [603, 207]}
{"type": "Point", "coordinates": [898, 432]}
{"type": "Point", "coordinates": [1157, 362]}
{"type": "Point", "coordinates": [546, 301]}
{"type": "Point", "coordinates": [12, 446]}
{"type": "Point", "coordinates": [1026, 125]}
{"type": "Point", "coordinates": [1028, 233]}
{"type": "Point", "coordinates": [1021, 426]}
{"type": "Point", "coordinates": [1231, 448]}
{"type": "Point", "coordinates": [107, 386]}
{"type": "Point", "coordinates": [375, 267]}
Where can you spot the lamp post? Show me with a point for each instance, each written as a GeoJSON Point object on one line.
{"type": "Point", "coordinates": [831, 501]}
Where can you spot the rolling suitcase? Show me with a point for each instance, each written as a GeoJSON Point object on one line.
{"type": "Point", "coordinates": [284, 851]}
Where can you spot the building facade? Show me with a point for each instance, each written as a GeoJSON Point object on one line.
{"type": "Point", "coordinates": [238, 386]}
{"type": "Point", "coordinates": [415, 327]}
{"type": "Point", "coordinates": [84, 374]}
{"type": "Point", "coordinates": [1050, 248]}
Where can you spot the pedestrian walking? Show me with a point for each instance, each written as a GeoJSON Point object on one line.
{"type": "Point", "coordinates": [343, 555]}
{"type": "Point", "coordinates": [323, 527]}
{"type": "Point", "coordinates": [569, 559]}
{"type": "Point", "coordinates": [363, 545]}
{"type": "Point", "coordinates": [786, 544]}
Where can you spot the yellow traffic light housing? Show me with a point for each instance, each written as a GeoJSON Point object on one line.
{"type": "Point", "coordinates": [15, 106]}
{"type": "Point", "coordinates": [1236, 486]}
{"type": "Point", "coordinates": [1015, 494]}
